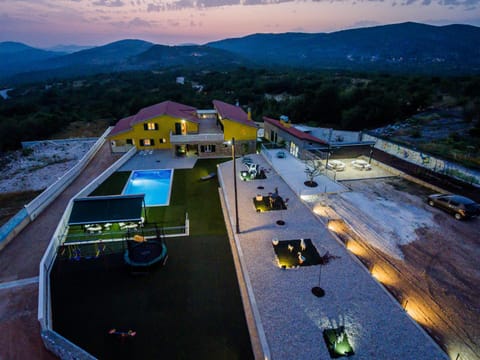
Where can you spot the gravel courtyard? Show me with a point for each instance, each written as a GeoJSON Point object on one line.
{"type": "Point", "coordinates": [423, 256]}
{"type": "Point", "coordinates": [292, 318]}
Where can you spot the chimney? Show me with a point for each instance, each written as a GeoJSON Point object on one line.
{"type": "Point", "coordinates": [249, 114]}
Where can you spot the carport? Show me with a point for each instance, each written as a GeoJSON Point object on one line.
{"type": "Point", "coordinates": [348, 153]}
{"type": "Point", "coordinates": [107, 209]}
{"type": "Point", "coordinates": [342, 151]}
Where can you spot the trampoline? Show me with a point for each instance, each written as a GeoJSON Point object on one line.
{"type": "Point", "coordinates": [142, 252]}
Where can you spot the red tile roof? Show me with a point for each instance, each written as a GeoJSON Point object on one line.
{"type": "Point", "coordinates": [295, 132]}
{"type": "Point", "coordinates": [232, 112]}
{"type": "Point", "coordinates": [123, 125]}
{"type": "Point", "coordinates": [164, 108]}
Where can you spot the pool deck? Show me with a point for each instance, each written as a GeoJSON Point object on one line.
{"type": "Point", "coordinates": [290, 317]}
{"type": "Point", "coordinates": [158, 159]}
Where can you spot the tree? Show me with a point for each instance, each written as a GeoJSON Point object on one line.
{"type": "Point", "coordinates": [313, 168]}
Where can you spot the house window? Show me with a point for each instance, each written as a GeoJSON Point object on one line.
{"type": "Point", "coordinates": [207, 148]}
{"type": "Point", "coordinates": [147, 142]}
{"type": "Point", "coordinates": [129, 141]}
{"type": "Point", "coordinates": [163, 141]}
{"type": "Point", "coordinates": [294, 149]}
{"type": "Point", "coordinates": [150, 126]}
{"type": "Point", "coordinates": [273, 136]}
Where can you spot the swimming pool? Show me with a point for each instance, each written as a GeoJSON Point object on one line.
{"type": "Point", "coordinates": [155, 184]}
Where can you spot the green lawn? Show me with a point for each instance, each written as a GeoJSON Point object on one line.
{"type": "Point", "coordinates": [189, 195]}
{"type": "Point", "coordinates": [199, 198]}
{"type": "Point", "coordinates": [113, 185]}
{"type": "Point", "coordinates": [196, 197]}
{"type": "Point", "coordinates": [189, 309]}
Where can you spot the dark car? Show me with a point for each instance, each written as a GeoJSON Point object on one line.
{"type": "Point", "coordinates": [459, 206]}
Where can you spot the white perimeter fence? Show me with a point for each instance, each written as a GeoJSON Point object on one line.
{"type": "Point", "coordinates": [52, 340]}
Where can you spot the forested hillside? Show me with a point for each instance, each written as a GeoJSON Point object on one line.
{"type": "Point", "coordinates": [406, 48]}
{"type": "Point", "coordinates": [340, 100]}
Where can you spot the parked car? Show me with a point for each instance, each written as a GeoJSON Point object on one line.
{"type": "Point", "coordinates": [459, 206]}
{"type": "Point", "coordinates": [336, 165]}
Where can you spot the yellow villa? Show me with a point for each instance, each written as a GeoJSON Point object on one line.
{"type": "Point", "coordinates": [185, 130]}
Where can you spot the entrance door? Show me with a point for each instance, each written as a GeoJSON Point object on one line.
{"type": "Point", "coordinates": [178, 128]}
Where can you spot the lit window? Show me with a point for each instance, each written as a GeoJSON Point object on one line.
{"type": "Point", "coordinates": [207, 148]}
{"type": "Point", "coordinates": [150, 126]}
{"type": "Point", "coordinates": [147, 142]}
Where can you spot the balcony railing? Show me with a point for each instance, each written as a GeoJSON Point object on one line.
{"type": "Point", "coordinates": [196, 138]}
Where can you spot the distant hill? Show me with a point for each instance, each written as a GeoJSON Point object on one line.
{"type": "Point", "coordinates": [17, 57]}
{"type": "Point", "coordinates": [186, 55]}
{"type": "Point", "coordinates": [115, 53]}
{"type": "Point", "coordinates": [106, 58]}
{"type": "Point", "coordinates": [68, 49]}
{"type": "Point", "coordinates": [407, 48]}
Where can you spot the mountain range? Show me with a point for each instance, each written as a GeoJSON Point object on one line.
{"type": "Point", "coordinates": [406, 48]}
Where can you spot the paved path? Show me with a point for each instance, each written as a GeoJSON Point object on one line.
{"type": "Point", "coordinates": [19, 264]}
{"type": "Point", "coordinates": [158, 159]}
{"type": "Point", "coordinates": [292, 317]}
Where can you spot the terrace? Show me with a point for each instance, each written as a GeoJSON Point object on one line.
{"type": "Point", "coordinates": [187, 307]}
{"type": "Point", "coordinates": [208, 131]}
{"type": "Point", "coordinates": [353, 311]}
{"type": "Point", "coordinates": [289, 320]}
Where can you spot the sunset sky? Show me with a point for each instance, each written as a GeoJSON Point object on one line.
{"type": "Point", "coordinates": [44, 23]}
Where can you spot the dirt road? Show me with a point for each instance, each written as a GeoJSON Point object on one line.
{"type": "Point", "coordinates": [436, 278]}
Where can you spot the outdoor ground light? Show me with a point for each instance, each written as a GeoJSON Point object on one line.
{"type": "Point", "coordinates": [337, 342]}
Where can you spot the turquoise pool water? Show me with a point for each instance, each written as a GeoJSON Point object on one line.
{"type": "Point", "coordinates": [155, 184]}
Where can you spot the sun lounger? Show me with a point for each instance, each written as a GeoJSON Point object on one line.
{"type": "Point", "coordinates": [209, 176]}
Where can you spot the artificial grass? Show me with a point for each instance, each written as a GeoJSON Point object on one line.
{"type": "Point", "coordinates": [189, 194]}
{"type": "Point", "coordinates": [199, 198]}
{"type": "Point", "coordinates": [113, 185]}
{"type": "Point", "coordinates": [189, 309]}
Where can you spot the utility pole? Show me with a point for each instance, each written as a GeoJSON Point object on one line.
{"type": "Point", "coordinates": [237, 225]}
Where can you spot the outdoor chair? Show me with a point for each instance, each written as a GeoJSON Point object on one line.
{"type": "Point", "coordinates": [281, 154]}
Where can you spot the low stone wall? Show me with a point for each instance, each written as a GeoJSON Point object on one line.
{"type": "Point", "coordinates": [18, 222]}
{"type": "Point", "coordinates": [13, 226]}
{"type": "Point", "coordinates": [53, 341]}
{"type": "Point", "coordinates": [63, 348]}
{"type": "Point", "coordinates": [426, 161]}
{"type": "Point", "coordinates": [406, 176]}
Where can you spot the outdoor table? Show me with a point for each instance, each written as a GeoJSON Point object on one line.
{"type": "Point", "coordinates": [95, 228]}
{"type": "Point", "coordinates": [361, 165]}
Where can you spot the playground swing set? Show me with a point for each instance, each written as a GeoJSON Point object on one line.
{"type": "Point", "coordinates": [74, 252]}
